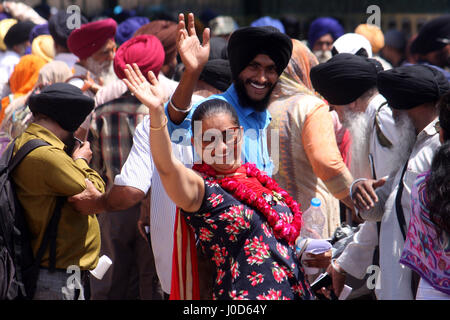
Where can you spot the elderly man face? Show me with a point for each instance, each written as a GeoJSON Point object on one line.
{"type": "Point", "coordinates": [322, 48]}
{"type": "Point", "coordinates": [324, 43]}
{"type": "Point", "coordinates": [100, 63]}
{"type": "Point", "coordinates": [356, 107]}
{"type": "Point", "coordinates": [106, 53]}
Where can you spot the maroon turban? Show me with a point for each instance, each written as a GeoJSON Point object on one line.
{"type": "Point", "coordinates": [166, 32]}
{"type": "Point", "coordinates": [145, 50]}
{"type": "Point", "coordinates": [90, 37]}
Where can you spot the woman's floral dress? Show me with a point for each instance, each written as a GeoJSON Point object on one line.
{"type": "Point", "coordinates": [250, 262]}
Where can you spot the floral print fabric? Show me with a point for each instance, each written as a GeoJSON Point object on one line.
{"type": "Point", "coordinates": [251, 264]}
{"type": "Point", "coordinates": [425, 251]}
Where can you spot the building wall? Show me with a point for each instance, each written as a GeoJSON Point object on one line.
{"type": "Point", "coordinates": [402, 14]}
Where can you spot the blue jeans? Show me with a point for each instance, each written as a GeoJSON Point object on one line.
{"type": "Point", "coordinates": [58, 285]}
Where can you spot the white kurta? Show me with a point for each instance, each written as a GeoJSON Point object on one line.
{"type": "Point", "coordinates": [8, 61]}
{"type": "Point", "coordinates": [358, 255]}
{"type": "Point", "coordinates": [395, 278]}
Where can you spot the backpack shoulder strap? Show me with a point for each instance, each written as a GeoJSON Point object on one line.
{"type": "Point", "coordinates": [52, 228]}
{"type": "Point", "coordinates": [384, 141]}
{"type": "Point", "coordinates": [49, 238]}
{"type": "Point", "coordinates": [24, 150]}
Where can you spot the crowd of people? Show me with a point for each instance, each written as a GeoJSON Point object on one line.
{"type": "Point", "coordinates": [186, 150]}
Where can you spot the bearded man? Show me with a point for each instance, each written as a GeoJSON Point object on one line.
{"type": "Point", "coordinates": [322, 32]}
{"type": "Point", "coordinates": [348, 82]}
{"type": "Point", "coordinates": [94, 45]}
{"type": "Point", "coordinates": [258, 56]}
{"type": "Point", "coordinates": [413, 91]}
{"type": "Point", "coordinates": [379, 145]}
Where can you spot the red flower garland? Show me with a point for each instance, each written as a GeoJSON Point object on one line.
{"type": "Point", "coordinates": [282, 230]}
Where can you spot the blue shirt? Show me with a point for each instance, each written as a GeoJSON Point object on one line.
{"type": "Point", "coordinates": [255, 123]}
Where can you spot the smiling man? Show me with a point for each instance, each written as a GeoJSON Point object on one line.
{"type": "Point", "coordinates": [257, 55]}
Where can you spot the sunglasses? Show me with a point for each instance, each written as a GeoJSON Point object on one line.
{"type": "Point", "coordinates": [230, 137]}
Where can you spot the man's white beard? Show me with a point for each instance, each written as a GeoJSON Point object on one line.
{"type": "Point", "coordinates": [104, 71]}
{"type": "Point", "coordinates": [323, 56]}
{"type": "Point", "coordinates": [402, 149]}
{"type": "Point", "coordinates": [359, 125]}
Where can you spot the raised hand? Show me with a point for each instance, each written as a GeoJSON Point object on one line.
{"type": "Point", "coordinates": [148, 92]}
{"type": "Point", "coordinates": [193, 54]}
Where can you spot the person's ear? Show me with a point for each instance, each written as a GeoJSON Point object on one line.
{"type": "Point", "coordinates": [353, 106]}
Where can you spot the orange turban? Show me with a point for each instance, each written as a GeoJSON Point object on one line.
{"type": "Point", "coordinates": [23, 78]}
{"type": "Point", "coordinates": [372, 33]}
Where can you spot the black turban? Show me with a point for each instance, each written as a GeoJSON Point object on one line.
{"type": "Point", "coordinates": [64, 103]}
{"type": "Point", "coordinates": [345, 77]}
{"type": "Point", "coordinates": [432, 36]}
{"type": "Point", "coordinates": [217, 73]}
{"type": "Point", "coordinates": [18, 33]}
{"type": "Point", "coordinates": [409, 86]}
{"type": "Point", "coordinates": [57, 25]}
{"type": "Point", "coordinates": [246, 43]}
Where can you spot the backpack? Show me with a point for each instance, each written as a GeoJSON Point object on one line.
{"type": "Point", "coordinates": [19, 269]}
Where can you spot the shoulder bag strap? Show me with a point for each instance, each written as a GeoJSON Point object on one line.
{"type": "Point", "coordinates": [382, 139]}
{"type": "Point", "coordinates": [398, 204]}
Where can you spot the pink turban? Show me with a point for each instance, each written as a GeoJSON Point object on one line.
{"type": "Point", "coordinates": [90, 37]}
{"type": "Point", "coordinates": [145, 50]}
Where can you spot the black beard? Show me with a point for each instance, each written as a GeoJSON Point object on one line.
{"type": "Point", "coordinates": [247, 102]}
{"type": "Point", "coordinates": [69, 141]}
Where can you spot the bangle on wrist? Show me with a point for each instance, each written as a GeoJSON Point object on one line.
{"type": "Point", "coordinates": [162, 126]}
{"type": "Point", "coordinates": [179, 110]}
{"type": "Point", "coordinates": [337, 269]}
{"type": "Point", "coordinates": [353, 183]}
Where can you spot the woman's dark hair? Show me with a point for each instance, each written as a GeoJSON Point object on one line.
{"type": "Point", "coordinates": [444, 115]}
{"type": "Point", "coordinates": [438, 189]}
{"type": "Point", "coordinates": [212, 107]}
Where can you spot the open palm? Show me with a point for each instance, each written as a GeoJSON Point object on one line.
{"type": "Point", "coordinates": [149, 92]}
{"type": "Point", "coordinates": [193, 54]}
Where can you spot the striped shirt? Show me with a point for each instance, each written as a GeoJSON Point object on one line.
{"type": "Point", "coordinates": [111, 134]}
{"type": "Point", "coordinates": [139, 172]}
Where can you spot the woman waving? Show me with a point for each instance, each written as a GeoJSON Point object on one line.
{"type": "Point", "coordinates": [242, 219]}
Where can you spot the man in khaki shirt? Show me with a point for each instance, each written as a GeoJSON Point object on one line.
{"type": "Point", "coordinates": [58, 170]}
